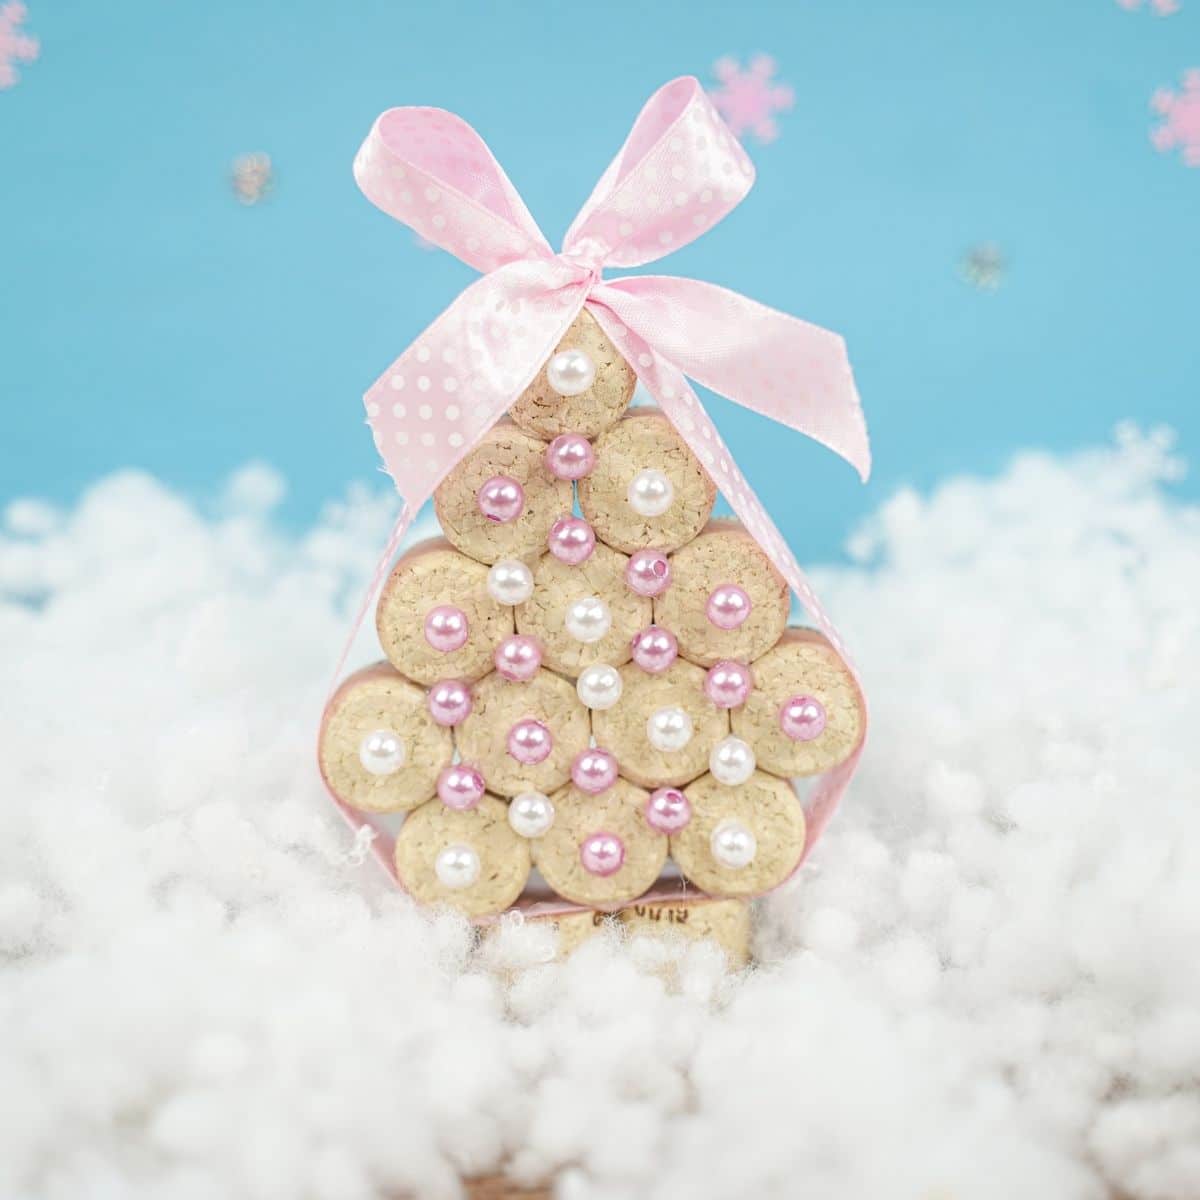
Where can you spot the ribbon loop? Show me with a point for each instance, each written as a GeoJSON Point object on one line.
{"type": "Point", "coordinates": [679, 172]}
{"type": "Point", "coordinates": [429, 169]}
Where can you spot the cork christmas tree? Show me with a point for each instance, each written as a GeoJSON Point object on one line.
{"type": "Point", "coordinates": [590, 697]}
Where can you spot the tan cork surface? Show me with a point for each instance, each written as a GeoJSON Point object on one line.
{"type": "Point", "coordinates": [503, 856]}
{"type": "Point", "coordinates": [726, 922]}
{"type": "Point", "coordinates": [542, 411]}
{"type": "Point", "coordinates": [622, 728]}
{"type": "Point", "coordinates": [373, 699]}
{"type": "Point", "coordinates": [645, 439]}
{"type": "Point", "coordinates": [724, 553]}
{"type": "Point", "coordinates": [765, 804]}
{"type": "Point", "coordinates": [619, 811]}
{"type": "Point", "coordinates": [498, 705]}
{"type": "Point", "coordinates": [504, 450]}
{"type": "Point", "coordinates": [431, 574]}
{"type": "Point", "coordinates": [557, 586]}
{"type": "Point", "coordinates": [804, 663]}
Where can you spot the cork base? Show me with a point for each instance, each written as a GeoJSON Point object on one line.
{"type": "Point", "coordinates": [804, 664]}
{"type": "Point", "coordinates": [498, 705]}
{"type": "Point", "coordinates": [622, 728]}
{"type": "Point", "coordinates": [645, 439]}
{"type": "Point", "coordinates": [618, 811]}
{"type": "Point", "coordinates": [540, 410]}
{"type": "Point", "coordinates": [557, 586]}
{"type": "Point", "coordinates": [724, 553]}
{"type": "Point", "coordinates": [432, 574]}
{"type": "Point", "coordinates": [765, 804]}
{"type": "Point", "coordinates": [377, 698]}
{"type": "Point", "coordinates": [504, 450]}
{"type": "Point", "coordinates": [726, 922]}
{"type": "Point", "coordinates": [503, 856]}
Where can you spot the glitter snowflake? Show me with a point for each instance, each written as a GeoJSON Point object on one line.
{"type": "Point", "coordinates": [983, 266]}
{"type": "Point", "coordinates": [1180, 128]}
{"type": "Point", "coordinates": [1164, 8]}
{"type": "Point", "coordinates": [749, 99]}
{"type": "Point", "coordinates": [15, 47]}
{"type": "Point", "coordinates": [252, 177]}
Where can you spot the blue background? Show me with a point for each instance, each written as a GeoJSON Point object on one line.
{"type": "Point", "coordinates": [148, 319]}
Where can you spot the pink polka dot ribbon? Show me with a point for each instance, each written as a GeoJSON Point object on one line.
{"type": "Point", "coordinates": [679, 172]}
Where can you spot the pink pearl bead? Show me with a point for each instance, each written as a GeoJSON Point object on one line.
{"type": "Point", "coordinates": [594, 771]}
{"type": "Point", "coordinates": [570, 456]}
{"type": "Point", "coordinates": [572, 540]}
{"type": "Point", "coordinates": [460, 787]}
{"type": "Point", "coordinates": [501, 499]}
{"type": "Point", "coordinates": [517, 658]}
{"type": "Point", "coordinates": [450, 702]}
{"type": "Point", "coordinates": [668, 810]}
{"type": "Point", "coordinates": [446, 628]}
{"type": "Point", "coordinates": [728, 606]}
{"type": "Point", "coordinates": [654, 649]}
{"type": "Point", "coordinates": [802, 718]}
{"type": "Point", "coordinates": [602, 854]}
{"type": "Point", "coordinates": [530, 742]}
{"type": "Point", "coordinates": [728, 684]}
{"type": "Point", "coordinates": [648, 572]}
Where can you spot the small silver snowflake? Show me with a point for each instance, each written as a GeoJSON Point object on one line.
{"type": "Point", "coordinates": [983, 266]}
{"type": "Point", "coordinates": [252, 177]}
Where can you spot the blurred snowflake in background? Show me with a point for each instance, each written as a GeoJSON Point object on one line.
{"type": "Point", "coordinates": [983, 266]}
{"type": "Point", "coordinates": [1180, 128]}
{"type": "Point", "coordinates": [1164, 8]}
{"type": "Point", "coordinates": [253, 177]}
{"type": "Point", "coordinates": [749, 99]}
{"type": "Point", "coordinates": [15, 47]}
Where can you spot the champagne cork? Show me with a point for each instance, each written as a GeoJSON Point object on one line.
{"type": "Point", "coordinates": [505, 453]}
{"type": "Point", "coordinates": [722, 562]}
{"type": "Point", "coordinates": [584, 830]}
{"type": "Point", "coordinates": [489, 864]}
{"type": "Point", "coordinates": [542, 411]}
{"type": "Point", "coordinates": [644, 442]}
{"type": "Point", "coordinates": [726, 922]}
{"type": "Point", "coordinates": [623, 728]}
{"type": "Point", "coordinates": [557, 586]}
{"type": "Point", "coordinates": [436, 599]}
{"type": "Point", "coordinates": [805, 714]}
{"type": "Point", "coordinates": [765, 805]}
{"type": "Point", "coordinates": [380, 750]}
{"type": "Point", "coordinates": [499, 706]}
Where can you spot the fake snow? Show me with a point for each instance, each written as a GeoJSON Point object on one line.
{"type": "Point", "coordinates": [984, 985]}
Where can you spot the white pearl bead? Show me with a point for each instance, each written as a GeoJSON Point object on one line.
{"type": "Point", "coordinates": [599, 686]}
{"type": "Point", "coordinates": [731, 761]}
{"type": "Point", "coordinates": [510, 581]}
{"type": "Point", "coordinates": [733, 845]}
{"type": "Point", "coordinates": [669, 729]}
{"type": "Point", "coordinates": [382, 752]}
{"type": "Point", "coordinates": [457, 866]}
{"type": "Point", "coordinates": [651, 493]}
{"type": "Point", "coordinates": [588, 620]}
{"type": "Point", "coordinates": [531, 814]}
{"type": "Point", "coordinates": [571, 372]}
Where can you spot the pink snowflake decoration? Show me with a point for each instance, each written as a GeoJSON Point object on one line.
{"type": "Point", "coordinates": [15, 47]}
{"type": "Point", "coordinates": [1180, 128]}
{"type": "Point", "coordinates": [749, 99]}
{"type": "Point", "coordinates": [1164, 8]}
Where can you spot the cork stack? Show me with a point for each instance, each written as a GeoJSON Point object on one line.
{"type": "Point", "coordinates": [588, 676]}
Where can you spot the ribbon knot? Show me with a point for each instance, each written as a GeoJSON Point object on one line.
{"type": "Point", "coordinates": [678, 174]}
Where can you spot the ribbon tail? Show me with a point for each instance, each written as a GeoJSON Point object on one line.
{"type": "Point", "coordinates": [670, 388]}
{"type": "Point", "coordinates": [765, 360]}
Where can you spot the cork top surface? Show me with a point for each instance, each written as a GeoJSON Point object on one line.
{"type": "Point", "coordinates": [375, 699]}
{"type": "Point", "coordinates": [765, 804]}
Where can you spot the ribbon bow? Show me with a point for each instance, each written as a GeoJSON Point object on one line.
{"type": "Point", "coordinates": [679, 172]}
